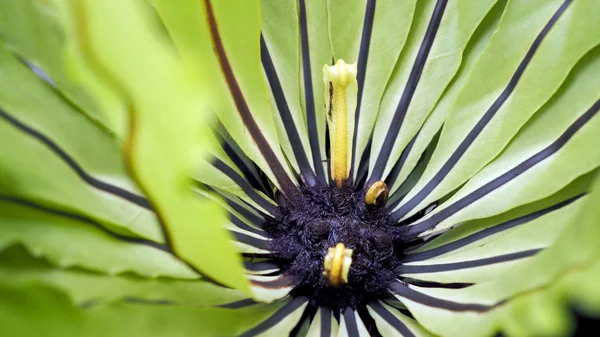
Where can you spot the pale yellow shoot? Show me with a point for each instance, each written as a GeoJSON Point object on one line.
{"type": "Point", "coordinates": [377, 193]}
{"type": "Point", "coordinates": [341, 91]}
{"type": "Point", "coordinates": [337, 265]}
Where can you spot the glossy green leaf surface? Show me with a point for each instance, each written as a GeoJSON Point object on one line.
{"type": "Point", "coordinates": [87, 289]}
{"type": "Point", "coordinates": [165, 165]}
{"type": "Point", "coordinates": [71, 242]}
{"type": "Point", "coordinates": [239, 31]}
{"type": "Point", "coordinates": [527, 286]}
{"type": "Point", "coordinates": [531, 92]}
{"type": "Point", "coordinates": [161, 151]}
{"type": "Point", "coordinates": [378, 57]}
{"type": "Point", "coordinates": [42, 42]}
{"type": "Point", "coordinates": [58, 317]}
{"type": "Point", "coordinates": [436, 118]}
{"type": "Point", "coordinates": [574, 98]}
{"type": "Point", "coordinates": [456, 26]}
{"type": "Point", "coordinates": [70, 149]}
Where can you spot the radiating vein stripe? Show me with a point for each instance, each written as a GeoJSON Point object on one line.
{"type": "Point", "coordinates": [485, 119]}
{"type": "Point", "coordinates": [325, 328]}
{"type": "Point", "coordinates": [363, 57]}
{"type": "Point", "coordinates": [276, 318]}
{"type": "Point", "coordinates": [39, 72]}
{"type": "Point", "coordinates": [67, 159]}
{"type": "Point", "coordinates": [256, 220]}
{"type": "Point", "coordinates": [238, 161]}
{"type": "Point", "coordinates": [363, 165]}
{"type": "Point", "coordinates": [391, 178]}
{"type": "Point", "coordinates": [252, 241]}
{"type": "Point", "coordinates": [405, 291]}
{"type": "Point", "coordinates": [231, 305]}
{"type": "Point", "coordinates": [164, 302]}
{"type": "Point", "coordinates": [260, 266]}
{"type": "Point", "coordinates": [454, 245]}
{"type": "Point", "coordinates": [309, 98]}
{"type": "Point", "coordinates": [392, 320]}
{"type": "Point", "coordinates": [453, 266]}
{"type": "Point", "coordinates": [238, 304]}
{"type": "Point", "coordinates": [261, 255]}
{"type": "Point", "coordinates": [82, 219]}
{"type": "Point", "coordinates": [245, 186]}
{"type": "Point", "coordinates": [277, 283]}
{"type": "Point", "coordinates": [432, 284]}
{"type": "Point", "coordinates": [350, 321]}
{"type": "Point", "coordinates": [134, 240]}
{"type": "Point", "coordinates": [147, 301]}
{"type": "Point", "coordinates": [511, 174]}
{"type": "Point", "coordinates": [289, 189]}
{"type": "Point", "coordinates": [409, 90]}
{"type": "Point", "coordinates": [303, 323]}
{"type": "Point", "coordinates": [286, 116]}
{"type": "Point", "coordinates": [242, 225]}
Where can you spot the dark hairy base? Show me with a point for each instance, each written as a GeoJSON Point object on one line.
{"type": "Point", "coordinates": [326, 216]}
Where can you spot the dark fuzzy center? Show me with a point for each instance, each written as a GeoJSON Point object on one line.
{"type": "Point", "coordinates": [328, 215]}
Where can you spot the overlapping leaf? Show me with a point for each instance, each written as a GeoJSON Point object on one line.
{"type": "Point", "coordinates": [166, 126]}
{"type": "Point", "coordinates": [51, 154]}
